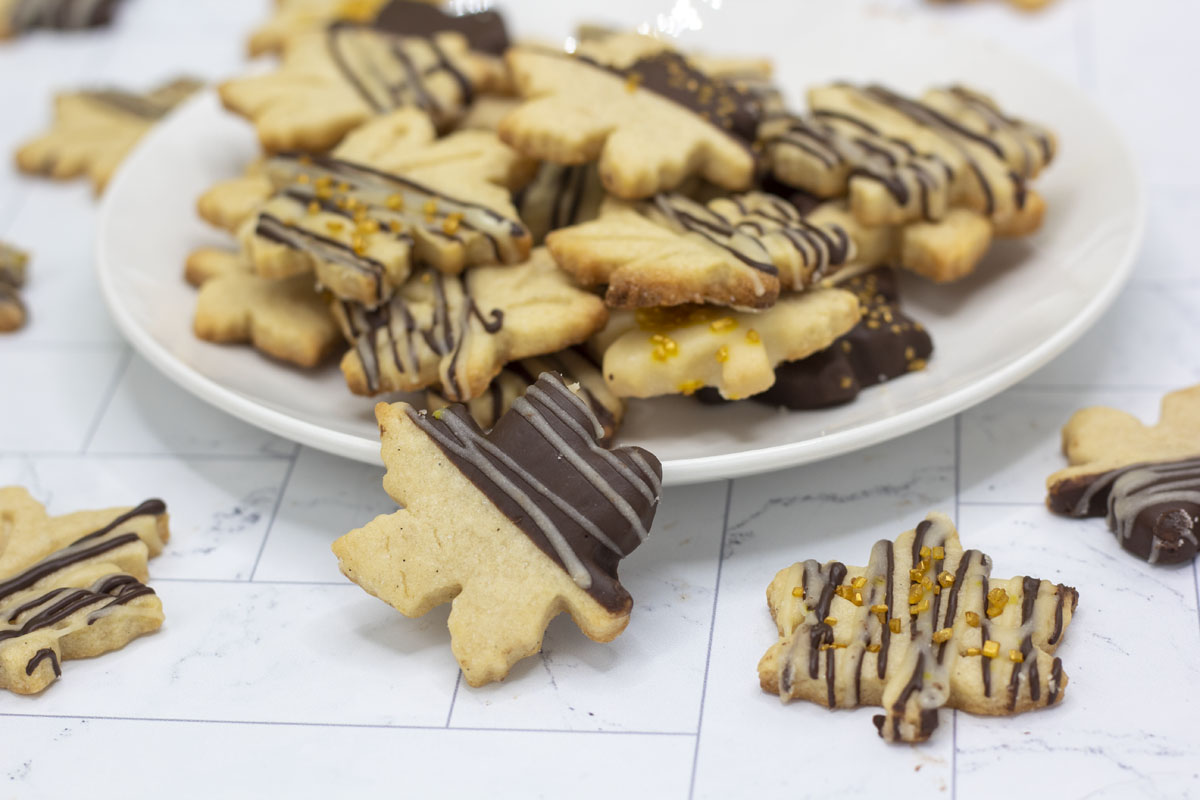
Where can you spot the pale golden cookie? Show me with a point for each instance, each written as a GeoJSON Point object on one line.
{"type": "Point", "coordinates": [738, 251]}
{"type": "Point", "coordinates": [512, 527]}
{"type": "Point", "coordinates": [902, 159]}
{"type": "Point", "coordinates": [292, 17]}
{"type": "Point", "coordinates": [650, 125]}
{"type": "Point", "coordinates": [286, 318]}
{"type": "Point", "coordinates": [72, 586]}
{"type": "Point", "coordinates": [94, 130]}
{"type": "Point", "coordinates": [13, 263]}
{"type": "Point", "coordinates": [457, 332]}
{"type": "Point", "coordinates": [333, 80]}
{"type": "Point", "coordinates": [581, 373]}
{"type": "Point", "coordinates": [656, 351]}
{"type": "Point", "coordinates": [1146, 479]}
{"type": "Point", "coordinates": [922, 626]}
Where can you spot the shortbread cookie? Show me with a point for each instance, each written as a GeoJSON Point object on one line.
{"type": "Point", "coordinates": [486, 112]}
{"type": "Point", "coordinates": [72, 586]}
{"type": "Point", "coordinates": [581, 373]}
{"type": "Point", "coordinates": [285, 318]}
{"type": "Point", "coordinates": [512, 527]}
{"type": "Point", "coordinates": [886, 344]}
{"type": "Point", "coordinates": [20, 16]}
{"type": "Point", "coordinates": [333, 80]}
{"type": "Point", "coordinates": [292, 17]}
{"type": "Point", "coordinates": [1146, 479]}
{"type": "Point", "coordinates": [207, 263]}
{"type": "Point", "coordinates": [12, 277]}
{"type": "Point", "coordinates": [456, 332]}
{"type": "Point", "coordinates": [680, 349]}
{"type": "Point", "coordinates": [738, 251]}
{"type": "Point", "coordinates": [650, 125]}
{"type": "Point", "coordinates": [94, 130]}
{"type": "Point", "coordinates": [922, 626]}
{"type": "Point", "coordinates": [560, 195]}
{"type": "Point", "coordinates": [902, 159]}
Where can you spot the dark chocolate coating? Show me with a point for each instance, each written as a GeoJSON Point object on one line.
{"type": "Point", "coordinates": [62, 14]}
{"type": "Point", "coordinates": [484, 31]}
{"type": "Point", "coordinates": [884, 345]}
{"type": "Point", "coordinates": [538, 457]}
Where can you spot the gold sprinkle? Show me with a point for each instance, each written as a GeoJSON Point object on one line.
{"type": "Point", "coordinates": [450, 226]}
{"type": "Point", "coordinates": [915, 593]}
{"type": "Point", "coordinates": [722, 354]}
{"type": "Point", "coordinates": [334, 226]}
{"type": "Point", "coordinates": [723, 325]}
{"type": "Point", "coordinates": [798, 592]}
{"type": "Point", "coordinates": [848, 593]}
{"type": "Point", "coordinates": [937, 589]}
{"type": "Point", "coordinates": [925, 552]}
{"type": "Point", "coordinates": [916, 365]}
{"type": "Point", "coordinates": [872, 648]}
{"type": "Point", "coordinates": [368, 226]}
{"type": "Point", "coordinates": [395, 202]}
{"type": "Point", "coordinates": [972, 619]}
{"type": "Point", "coordinates": [873, 324]}
{"type": "Point", "coordinates": [314, 207]}
{"type": "Point", "coordinates": [429, 209]}
{"type": "Point", "coordinates": [997, 599]}
{"type": "Point", "coordinates": [1015, 656]}
{"type": "Point", "coordinates": [358, 244]}
{"type": "Point", "coordinates": [752, 336]}
{"type": "Point", "coordinates": [926, 582]}
{"type": "Point", "coordinates": [632, 82]}
{"type": "Point", "coordinates": [942, 636]}
{"type": "Point", "coordinates": [920, 607]}
{"type": "Point", "coordinates": [894, 625]}
{"type": "Point", "coordinates": [690, 387]}
{"type": "Point", "coordinates": [991, 649]}
{"type": "Point", "coordinates": [939, 553]}
{"type": "Point", "coordinates": [909, 354]}
{"type": "Point", "coordinates": [324, 182]}
{"type": "Point", "coordinates": [880, 610]}
{"type": "Point", "coordinates": [438, 414]}
{"type": "Point", "coordinates": [830, 621]}
{"type": "Point", "coordinates": [845, 346]}
{"type": "Point", "coordinates": [859, 582]}
{"type": "Point", "coordinates": [846, 382]}
{"type": "Point", "coordinates": [915, 575]}
{"type": "Point", "coordinates": [973, 651]}
{"type": "Point", "coordinates": [945, 579]}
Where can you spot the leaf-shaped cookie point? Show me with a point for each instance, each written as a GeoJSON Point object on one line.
{"type": "Point", "coordinates": [457, 332]}
{"type": "Point", "coordinates": [93, 130]}
{"type": "Point", "coordinates": [921, 626]}
{"type": "Point", "coordinates": [512, 527]}
{"type": "Point", "coordinates": [1144, 478]}
{"type": "Point", "coordinates": [333, 80]}
{"type": "Point", "coordinates": [650, 125]}
{"type": "Point", "coordinates": [72, 586]}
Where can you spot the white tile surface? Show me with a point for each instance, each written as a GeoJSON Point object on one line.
{"type": "Point", "coordinates": [275, 677]}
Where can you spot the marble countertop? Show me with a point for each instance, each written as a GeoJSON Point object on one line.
{"type": "Point", "coordinates": [275, 676]}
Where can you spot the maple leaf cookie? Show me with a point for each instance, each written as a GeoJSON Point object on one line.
{"type": "Point", "coordinates": [681, 349]}
{"type": "Point", "coordinates": [72, 586]}
{"type": "Point", "coordinates": [649, 125]}
{"type": "Point", "coordinates": [22, 16]}
{"type": "Point", "coordinates": [511, 527]}
{"type": "Point", "coordinates": [1144, 478]}
{"type": "Point", "coordinates": [738, 251]}
{"type": "Point", "coordinates": [457, 332]}
{"type": "Point", "coordinates": [13, 264]}
{"type": "Point", "coordinates": [923, 625]}
{"type": "Point", "coordinates": [94, 130]}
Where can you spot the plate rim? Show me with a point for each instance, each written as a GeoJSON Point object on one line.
{"type": "Point", "coordinates": [678, 471]}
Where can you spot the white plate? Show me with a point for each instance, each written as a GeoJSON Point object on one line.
{"type": "Point", "coordinates": [1027, 302]}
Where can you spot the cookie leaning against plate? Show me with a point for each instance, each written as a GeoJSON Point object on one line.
{"type": "Point", "coordinates": [72, 586]}
{"type": "Point", "coordinates": [1144, 478]}
{"type": "Point", "coordinates": [511, 527]}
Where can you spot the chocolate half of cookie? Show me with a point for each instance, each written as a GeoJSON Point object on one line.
{"type": "Point", "coordinates": [484, 30]}
{"type": "Point", "coordinates": [884, 345]}
{"type": "Point", "coordinates": [1153, 507]}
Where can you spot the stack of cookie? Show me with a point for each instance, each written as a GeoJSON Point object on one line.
{"type": "Point", "coordinates": [442, 204]}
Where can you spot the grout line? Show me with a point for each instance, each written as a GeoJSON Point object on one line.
{"type": "Point", "coordinates": [454, 697]}
{"type": "Point", "coordinates": [1002, 503]}
{"type": "Point", "coordinates": [243, 582]}
{"type": "Point", "coordinates": [122, 367]}
{"type": "Point", "coordinates": [711, 629]}
{"type": "Point", "coordinates": [275, 512]}
{"type": "Point", "coordinates": [349, 725]}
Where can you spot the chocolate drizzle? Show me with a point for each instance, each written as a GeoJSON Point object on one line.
{"type": "Point", "coordinates": [1153, 508]}
{"type": "Point", "coordinates": [60, 14]}
{"type": "Point", "coordinates": [45, 654]}
{"type": "Point", "coordinates": [390, 71]}
{"type": "Point", "coordinates": [584, 506]}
